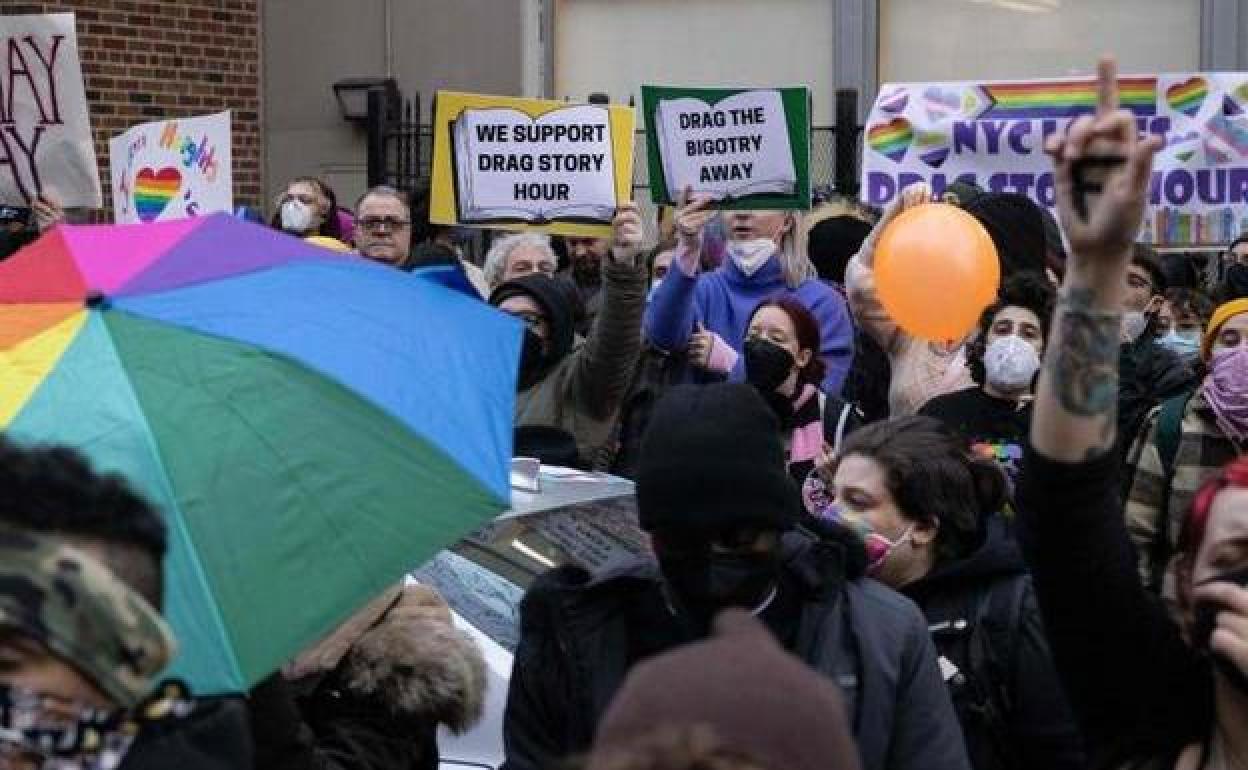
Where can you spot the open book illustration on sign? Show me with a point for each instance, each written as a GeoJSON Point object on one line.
{"type": "Point", "coordinates": [733, 148]}
{"type": "Point", "coordinates": [511, 167]}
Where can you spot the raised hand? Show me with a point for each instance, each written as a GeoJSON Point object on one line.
{"type": "Point", "coordinates": [1102, 168]}
{"type": "Point", "coordinates": [627, 232]}
{"type": "Point", "coordinates": [700, 344]}
{"type": "Point", "coordinates": [914, 195]}
{"type": "Point", "coordinates": [691, 218]}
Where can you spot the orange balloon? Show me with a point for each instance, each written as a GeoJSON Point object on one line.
{"type": "Point", "coordinates": [936, 269]}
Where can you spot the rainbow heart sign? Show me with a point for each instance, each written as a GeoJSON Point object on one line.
{"type": "Point", "coordinates": [891, 139]}
{"type": "Point", "coordinates": [172, 169]}
{"type": "Point", "coordinates": [1188, 97]}
{"type": "Point", "coordinates": [153, 190]}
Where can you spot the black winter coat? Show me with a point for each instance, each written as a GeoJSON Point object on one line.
{"type": "Point", "coordinates": [575, 637]}
{"type": "Point", "coordinates": [987, 627]}
{"type": "Point", "coordinates": [215, 736]}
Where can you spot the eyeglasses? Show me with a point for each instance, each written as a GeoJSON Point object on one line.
{"type": "Point", "coordinates": [377, 223]}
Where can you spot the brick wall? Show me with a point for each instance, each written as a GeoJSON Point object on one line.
{"type": "Point", "coordinates": [152, 59]}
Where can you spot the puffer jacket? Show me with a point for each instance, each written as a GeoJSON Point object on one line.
{"type": "Point", "coordinates": [371, 695]}
{"type": "Point", "coordinates": [583, 393]}
{"type": "Point", "coordinates": [573, 657]}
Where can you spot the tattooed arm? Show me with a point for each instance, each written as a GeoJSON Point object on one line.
{"type": "Point", "coordinates": [1101, 168]}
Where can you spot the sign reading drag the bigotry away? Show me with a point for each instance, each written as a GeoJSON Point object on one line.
{"type": "Point", "coordinates": [530, 164]}
{"type": "Point", "coordinates": [993, 133]}
{"type": "Point", "coordinates": [172, 169]}
{"type": "Point", "coordinates": [45, 133]}
{"type": "Point", "coordinates": [745, 148]}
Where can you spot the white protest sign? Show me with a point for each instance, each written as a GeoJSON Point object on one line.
{"type": "Point", "coordinates": [529, 163]}
{"type": "Point", "coordinates": [513, 166]}
{"type": "Point", "coordinates": [992, 133]}
{"type": "Point", "coordinates": [738, 147]}
{"type": "Point", "coordinates": [45, 132]}
{"type": "Point", "coordinates": [172, 169]}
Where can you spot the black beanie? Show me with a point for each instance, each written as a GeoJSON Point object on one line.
{"type": "Point", "coordinates": [554, 299]}
{"type": "Point", "coordinates": [833, 242]}
{"type": "Point", "coordinates": [1016, 225]}
{"type": "Point", "coordinates": [713, 457]}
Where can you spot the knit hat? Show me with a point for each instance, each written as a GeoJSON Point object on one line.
{"type": "Point", "coordinates": [554, 299]}
{"type": "Point", "coordinates": [1016, 225]}
{"type": "Point", "coordinates": [832, 242]}
{"type": "Point", "coordinates": [757, 698]}
{"type": "Point", "coordinates": [713, 457]}
{"type": "Point", "coordinates": [1224, 313]}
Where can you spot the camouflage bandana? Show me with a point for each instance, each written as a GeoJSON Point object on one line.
{"type": "Point", "coordinates": [71, 604]}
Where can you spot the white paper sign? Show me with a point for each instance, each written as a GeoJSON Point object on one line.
{"type": "Point", "coordinates": [172, 169]}
{"type": "Point", "coordinates": [511, 166]}
{"type": "Point", "coordinates": [738, 147]}
{"type": "Point", "coordinates": [45, 131]}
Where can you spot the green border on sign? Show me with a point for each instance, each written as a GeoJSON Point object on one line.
{"type": "Point", "coordinates": [797, 116]}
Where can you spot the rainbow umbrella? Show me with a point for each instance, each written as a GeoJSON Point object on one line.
{"type": "Point", "coordinates": [311, 424]}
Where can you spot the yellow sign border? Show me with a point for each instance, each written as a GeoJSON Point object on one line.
{"type": "Point", "coordinates": [449, 105]}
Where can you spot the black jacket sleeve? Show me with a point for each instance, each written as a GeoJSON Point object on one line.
{"type": "Point", "coordinates": [1042, 726]}
{"type": "Point", "coordinates": [1128, 673]}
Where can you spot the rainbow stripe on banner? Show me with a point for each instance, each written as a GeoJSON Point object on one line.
{"type": "Point", "coordinates": [1029, 101]}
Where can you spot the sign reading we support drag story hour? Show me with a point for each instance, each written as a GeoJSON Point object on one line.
{"type": "Point", "coordinates": [992, 133]}
{"type": "Point", "coordinates": [530, 164]}
{"type": "Point", "coordinates": [45, 132]}
{"type": "Point", "coordinates": [744, 148]}
{"type": "Point", "coordinates": [172, 169]}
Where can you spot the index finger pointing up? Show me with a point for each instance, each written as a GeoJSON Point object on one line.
{"type": "Point", "coordinates": [1106, 86]}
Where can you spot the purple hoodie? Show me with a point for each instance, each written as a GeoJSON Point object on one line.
{"type": "Point", "coordinates": [723, 300]}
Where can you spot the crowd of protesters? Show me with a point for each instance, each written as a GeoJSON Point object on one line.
{"type": "Point", "coordinates": [1023, 548]}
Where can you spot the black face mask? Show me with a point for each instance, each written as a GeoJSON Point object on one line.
{"type": "Point", "coordinates": [701, 586]}
{"type": "Point", "coordinates": [1206, 621]}
{"type": "Point", "coordinates": [1235, 283]}
{"type": "Point", "coordinates": [767, 365]}
{"type": "Point", "coordinates": [532, 361]}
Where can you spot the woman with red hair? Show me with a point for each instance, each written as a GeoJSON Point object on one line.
{"type": "Point", "coordinates": [1148, 690]}
{"type": "Point", "coordinates": [782, 361]}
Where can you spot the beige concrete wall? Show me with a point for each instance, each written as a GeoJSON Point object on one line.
{"type": "Point", "coordinates": [488, 46]}
{"type": "Point", "coordinates": [617, 45]}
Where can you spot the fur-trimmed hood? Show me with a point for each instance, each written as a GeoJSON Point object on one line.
{"type": "Point", "coordinates": [408, 659]}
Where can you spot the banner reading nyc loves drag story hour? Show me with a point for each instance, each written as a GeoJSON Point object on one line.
{"type": "Point", "coordinates": [992, 133]}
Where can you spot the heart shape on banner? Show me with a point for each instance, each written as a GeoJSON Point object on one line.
{"type": "Point", "coordinates": [891, 139]}
{"type": "Point", "coordinates": [1188, 97]}
{"type": "Point", "coordinates": [153, 189]}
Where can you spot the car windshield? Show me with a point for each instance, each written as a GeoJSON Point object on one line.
{"type": "Point", "coordinates": [484, 576]}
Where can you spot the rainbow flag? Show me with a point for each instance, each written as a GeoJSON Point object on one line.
{"type": "Point", "coordinates": [1063, 99]}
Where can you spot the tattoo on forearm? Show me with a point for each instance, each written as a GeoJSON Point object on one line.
{"type": "Point", "coordinates": [1085, 367]}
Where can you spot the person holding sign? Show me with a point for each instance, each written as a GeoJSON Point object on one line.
{"type": "Point", "coordinates": [707, 314]}
{"type": "Point", "coordinates": [579, 388]}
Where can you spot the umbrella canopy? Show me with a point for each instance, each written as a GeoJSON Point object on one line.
{"type": "Point", "coordinates": [311, 424]}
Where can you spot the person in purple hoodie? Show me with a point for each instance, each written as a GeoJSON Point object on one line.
{"type": "Point", "coordinates": [705, 314]}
